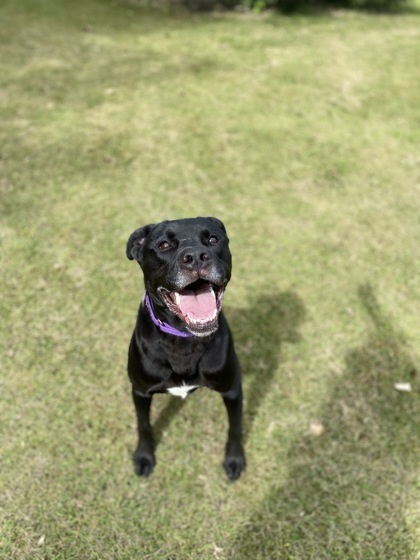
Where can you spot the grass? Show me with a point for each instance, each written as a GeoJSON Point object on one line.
{"type": "Point", "coordinates": [302, 134]}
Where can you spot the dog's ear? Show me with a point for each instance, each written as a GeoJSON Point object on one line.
{"type": "Point", "coordinates": [136, 241]}
{"type": "Point", "coordinates": [218, 222]}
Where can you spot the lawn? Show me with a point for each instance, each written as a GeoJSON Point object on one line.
{"type": "Point", "coordinates": [302, 134]}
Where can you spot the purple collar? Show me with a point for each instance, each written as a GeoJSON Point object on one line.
{"type": "Point", "coordinates": [164, 327]}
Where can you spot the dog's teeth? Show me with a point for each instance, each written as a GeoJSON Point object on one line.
{"type": "Point", "coordinates": [203, 321]}
{"type": "Point", "coordinates": [177, 298]}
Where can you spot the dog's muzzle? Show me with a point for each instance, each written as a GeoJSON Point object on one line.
{"type": "Point", "coordinates": [198, 305]}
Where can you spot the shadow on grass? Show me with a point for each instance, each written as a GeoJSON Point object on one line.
{"type": "Point", "coordinates": [172, 408]}
{"type": "Point", "coordinates": [327, 7]}
{"type": "Point", "coordinates": [346, 489]}
{"type": "Point", "coordinates": [154, 15]}
{"type": "Point", "coordinates": [260, 332]}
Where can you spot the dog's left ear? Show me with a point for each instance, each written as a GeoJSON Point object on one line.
{"type": "Point", "coordinates": [218, 222]}
{"type": "Point", "coordinates": [136, 243]}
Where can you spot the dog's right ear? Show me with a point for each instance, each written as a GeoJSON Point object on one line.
{"type": "Point", "coordinates": [136, 241]}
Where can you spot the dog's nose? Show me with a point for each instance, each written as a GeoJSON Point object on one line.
{"type": "Point", "coordinates": [195, 257]}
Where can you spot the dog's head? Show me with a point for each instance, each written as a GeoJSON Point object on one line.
{"type": "Point", "coordinates": [186, 266]}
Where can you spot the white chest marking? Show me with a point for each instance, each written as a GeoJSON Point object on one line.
{"type": "Point", "coordinates": [182, 391]}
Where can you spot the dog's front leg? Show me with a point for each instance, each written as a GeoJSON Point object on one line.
{"type": "Point", "coordinates": [144, 457]}
{"type": "Point", "coordinates": [234, 462]}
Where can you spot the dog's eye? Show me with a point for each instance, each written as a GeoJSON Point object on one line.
{"type": "Point", "coordinates": [163, 245]}
{"type": "Point", "coordinates": [213, 240]}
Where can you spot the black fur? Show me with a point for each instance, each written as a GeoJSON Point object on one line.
{"type": "Point", "coordinates": [173, 255]}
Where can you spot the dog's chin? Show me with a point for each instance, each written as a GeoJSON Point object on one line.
{"type": "Point", "coordinates": [203, 330]}
{"type": "Point", "coordinates": [197, 305]}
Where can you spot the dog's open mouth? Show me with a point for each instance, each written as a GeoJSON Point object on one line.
{"type": "Point", "coordinates": [198, 305]}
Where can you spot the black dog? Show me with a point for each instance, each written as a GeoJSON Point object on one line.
{"type": "Point", "coordinates": [181, 340]}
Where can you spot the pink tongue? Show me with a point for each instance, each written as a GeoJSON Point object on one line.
{"type": "Point", "coordinates": [198, 304]}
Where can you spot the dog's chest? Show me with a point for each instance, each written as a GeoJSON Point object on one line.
{"type": "Point", "coordinates": [182, 390]}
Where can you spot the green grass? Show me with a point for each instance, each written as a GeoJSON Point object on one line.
{"type": "Point", "coordinates": [302, 135]}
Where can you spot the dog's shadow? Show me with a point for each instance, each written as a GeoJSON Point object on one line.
{"type": "Point", "coordinates": [347, 490]}
{"type": "Point", "coordinates": [259, 332]}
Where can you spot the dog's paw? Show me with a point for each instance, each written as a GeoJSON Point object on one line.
{"type": "Point", "coordinates": [143, 463]}
{"type": "Point", "coordinates": [234, 462]}
{"type": "Point", "coordinates": [234, 467]}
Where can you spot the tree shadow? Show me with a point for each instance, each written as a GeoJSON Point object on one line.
{"type": "Point", "coordinates": [260, 332]}
{"type": "Point", "coordinates": [326, 7]}
{"type": "Point", "coordinates": [157, 15]}
{"type": "Point", "coordinates": [346, 489]}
